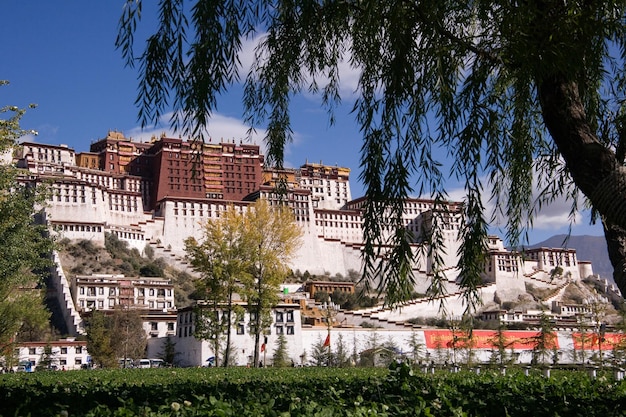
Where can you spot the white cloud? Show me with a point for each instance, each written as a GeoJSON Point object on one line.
{"type": "Point", "coordinates": [221, 129]}
{"type": "Point", "coordinates": [553, 218]}
{"type": "Point", "coordinates": [28, 138]}
{"type": "Point", "coordinates": [45, 130]}
{"type": "Point", "coordinates": [348, 75]}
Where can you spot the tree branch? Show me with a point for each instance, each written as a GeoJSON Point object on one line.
{"type": "Point", "coordinates": [441, 30]}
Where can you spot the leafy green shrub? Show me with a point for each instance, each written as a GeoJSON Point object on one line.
{"type": "Point", "coordinates": [399, 391]}
{"type": "Point", "coordinates": [151, 270]}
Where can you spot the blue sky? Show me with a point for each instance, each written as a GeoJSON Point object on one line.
{"type": "Point", "coordinates": [61, 56]}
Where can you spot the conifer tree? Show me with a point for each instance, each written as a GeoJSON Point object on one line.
{"type": "Point", "coordinates": [418, 350]}
{"type": "Point", "coordinates": [319, 353]}
{"type": "Point", "coordinates": [544, 340]}
{"type": "Point", "coordinates": [280, 358]}
{"type": "Point", "coordinates": [168, 352]}
{"type": "Point", "coordinates": [501, 344]}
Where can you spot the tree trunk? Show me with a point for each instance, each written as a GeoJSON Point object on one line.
{"type": "Point", "coordinates": [229, 323]}
{"type": "Point", "coordinates": [593, 166]}
{"type": "Point", "coordinates": [257, 338]}
{"type": "Point", "coordinates": [616, 244]}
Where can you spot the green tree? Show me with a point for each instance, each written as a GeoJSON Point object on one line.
{"type": "Point", "coordinates": [341, 356]}
{"type": "Point", "coordinates": [209, 325]}
{"type": "Point", "coordinates": [128, 337]}
{"type": "Point", "coordinates": [501, 343]}
{"type": "Point", "coordinates": [280, 357]}
{"type": "Point", "coordinates": [99, 342]}
{"type": "Point", "coordinates": [544, 341]}
{"type": "Point", "coordinates": [168, 354]}
{"type": "Point", "coordinates": [24, 252]}
{"type": "Point", "coordinates": [151, 270]}
{"type": "Point", "coordinates": [525, 97]}
{"type": "Point", "coordinates": [418, 349]}
{"type": "Point", "coordinates": [584, 338]}
{"type": "Point", "coordinates": [273, 237]}
{"type": "Point", "coordinates": [46, 359]}
{"type": "Point", "coordinates": [319, 353]}
{"type": "Point", "coordinates": [224, 258]}
{"type": "Point", "coordinates": [372, 346]}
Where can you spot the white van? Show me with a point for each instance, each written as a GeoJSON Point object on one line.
{"type": "Point", "coordinates": [157, 363]}
{"type": "Point", "coordinates": [143, 363]}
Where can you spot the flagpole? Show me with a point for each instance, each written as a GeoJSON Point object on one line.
{"type": "Point", "coordinates": [331, 309]}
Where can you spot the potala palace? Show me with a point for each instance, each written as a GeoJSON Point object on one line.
{"type": "Point", "coordinates": [160, 192]}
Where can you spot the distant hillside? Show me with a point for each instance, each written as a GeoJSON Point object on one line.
{"type": "Point", "coordinates": [588, 248]}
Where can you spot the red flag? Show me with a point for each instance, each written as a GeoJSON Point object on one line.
{"type": "Point", "coordinates": [263, 347]}
{"type": "Point", "coordinates": [327, 341]}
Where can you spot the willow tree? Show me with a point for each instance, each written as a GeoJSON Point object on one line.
{"type": "Point", "coordinates": [223, 258]}
{"type": "Point", "coordinates": [526, 97]}
{"type": "Point", "coordinates": [24, 248]}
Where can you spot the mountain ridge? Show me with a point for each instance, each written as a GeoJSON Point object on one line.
{"type": "Point", "coordinates": [588, 248]}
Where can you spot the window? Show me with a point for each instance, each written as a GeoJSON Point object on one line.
{"type": "Point", "coordinates": [290, 316]}
{"type": "Point", "coordinates": [290, 329]}
{"type": "Point", "coordinates": [279, 330]}
{"type": "Point", "coordinates": [153, 325]}
{"type": "Point", "coordinates": [111, 291]}
{"type": "Point", "coordinates": [78, 361]}
{"type": "Point", "coordinates": [32, 351]}
{"type": "Point", "coordinates": [240, 328]}
{"type": "Point", "coordinates": [279, 317]}
{"type": "Point", "coordinates": [63, 351]}
{"type": "Point", "coordinates": [170, 327]}
{"type": "Point", "coordinates": [79, 349]}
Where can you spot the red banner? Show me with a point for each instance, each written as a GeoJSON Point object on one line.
{"type": "Point", "coordinates": [486, 339]}
{"type": "Point", "coordinates": [594, 341]}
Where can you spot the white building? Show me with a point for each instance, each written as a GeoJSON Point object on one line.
{"type": "Point", "coordinates": [286, 321]}
{"type": "Point", "coordinates": [105, 291]}
{"type": "Point", "coordinates": [64, 354]}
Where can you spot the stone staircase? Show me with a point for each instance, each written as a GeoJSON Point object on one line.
{"type": "Point", "coordinates": [73, 322]}
{"type": "Point", "coordinates": [173, 259]}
